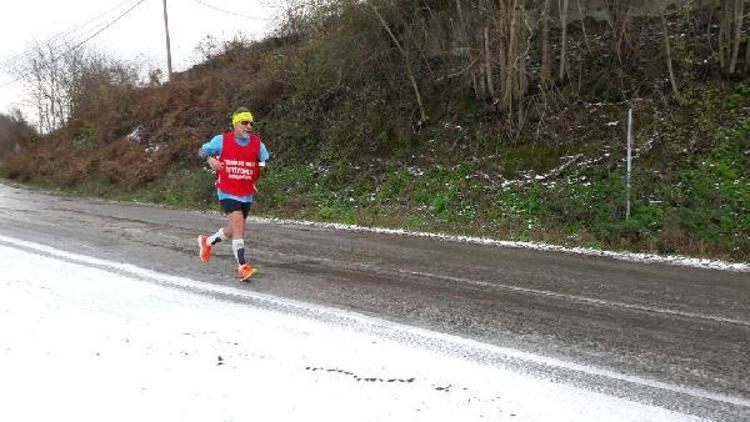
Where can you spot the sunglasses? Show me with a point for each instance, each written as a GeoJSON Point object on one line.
{"type": "Point", "coordinates": [246, 123]}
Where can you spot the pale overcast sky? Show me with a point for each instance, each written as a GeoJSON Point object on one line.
{"type": "Point", "coordinates": [137, 37]}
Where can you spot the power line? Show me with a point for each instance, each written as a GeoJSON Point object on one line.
{"type": "Point", "coordinates": [89, 38]}
{"type": "Point", "coordinates": [106, 27]}
{"type": "Point", "coordinates": [228, 12]}
{"type": "Point", "coordinates": [60, 37]}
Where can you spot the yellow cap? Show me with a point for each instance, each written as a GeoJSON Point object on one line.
{"type": "Point", "coordinates": [241, 117]}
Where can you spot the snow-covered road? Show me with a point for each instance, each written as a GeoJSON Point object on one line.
{"type": "Point", "coordinates": [81, 340]}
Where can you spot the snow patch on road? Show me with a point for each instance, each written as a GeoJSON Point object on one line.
{"type": "Point", "coordinates": [82, 343]}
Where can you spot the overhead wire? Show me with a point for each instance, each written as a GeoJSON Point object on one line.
{"type": "Point", "coordinates": [229, 12]}
{"type": "Point", "coordinates": [61, 36]}
{"type": "Point", "coordinates": [106, 27]}
{"type": "Point", "coordinates": [98, 30]}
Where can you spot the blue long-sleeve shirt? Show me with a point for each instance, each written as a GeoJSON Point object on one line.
{"type": "Point", "coordinates": [213, 147]}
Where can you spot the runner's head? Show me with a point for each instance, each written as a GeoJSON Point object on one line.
{"type": "Point", "coordinates": [242, 121]}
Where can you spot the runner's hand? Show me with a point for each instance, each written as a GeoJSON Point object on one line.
{"type": "Point", "coordinates": [215, 164]}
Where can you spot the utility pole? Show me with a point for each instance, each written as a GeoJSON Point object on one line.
{"type": "Point", "coordinates": [169, 51]}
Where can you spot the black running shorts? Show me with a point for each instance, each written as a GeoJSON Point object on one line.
{"type": "Point", "coordinates": [232, 205]}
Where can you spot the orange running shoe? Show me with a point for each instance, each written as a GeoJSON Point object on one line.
{"type": "Point", "coordinates": [246, 271]}
{"type": "Point", "coordinates": [205, 249]}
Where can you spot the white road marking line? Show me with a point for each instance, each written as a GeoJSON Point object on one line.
{"type": "Point", "coordinates": [376, 322]}
{"type": "Point", "coordinates": [584, 299]}
{"type": "Point", "coordinates": [544, 293]}
{"type": "Point", "coordinates": [677, 260]}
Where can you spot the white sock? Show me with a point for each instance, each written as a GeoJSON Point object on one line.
{"type": "Point", "coordinates": [238, 247]}
{"type": "Point", "coordinates": [217, 237]}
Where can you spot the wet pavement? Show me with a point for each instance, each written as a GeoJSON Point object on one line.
{"type": "Point", "coordinates": [671, 336]}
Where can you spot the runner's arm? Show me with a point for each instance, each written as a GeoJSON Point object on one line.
{"type": "Point", "coordinates": [263, 154]}
{"type": "Point", "coordinates": [212, 148]}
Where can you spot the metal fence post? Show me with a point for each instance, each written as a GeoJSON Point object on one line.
{"type": "Point", "coordinates": [629, 162]}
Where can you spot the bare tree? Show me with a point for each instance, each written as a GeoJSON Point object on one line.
{"type": "Point", "coordinates": [724, 32]}
{"type": "Point", "coordinates": [504, 43]}
{"type": "Point", "coordinates": [407, 62]}
{"type": "Point", "coordinates": [14, 131]}
{"type": "Point", "coordinates": [738, 15]}
{"type": "Point", "coordinates": [731, 21]}
{"type": "Point", "coordinates": [582, 16]}
{"type": "Point", "coordinates": [668, 50]}
{"type": "Point", "coordinates": [49, 75]}
{"type": "Point", "coordinates": [488, 64]}
{"type": "Point", "coordinates": [469, 52]}
{"type": "Point", "coordinates": [546, 59]}
{"type": "Point", "coordinates": [563, 4]}
{"type": "Point", "coordinates": [61, 78]}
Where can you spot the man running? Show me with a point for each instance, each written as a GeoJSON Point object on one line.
{"type": "Point", "coordinates": [235, 156]}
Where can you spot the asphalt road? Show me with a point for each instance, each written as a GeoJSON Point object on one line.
{"type": "Point", "coordinates": [670, 336]}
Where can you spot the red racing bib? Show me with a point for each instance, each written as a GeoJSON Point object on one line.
{"type": "Point", "coordinates": [241, 166]}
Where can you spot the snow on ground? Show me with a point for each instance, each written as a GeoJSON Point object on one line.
{"type": "Point", "coordinates": [83, 343]}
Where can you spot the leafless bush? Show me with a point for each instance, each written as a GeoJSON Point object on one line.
{"type": "Point", "coordinates": [14, 131]}
{"type": "Point", "coordinates": [63, 79]}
